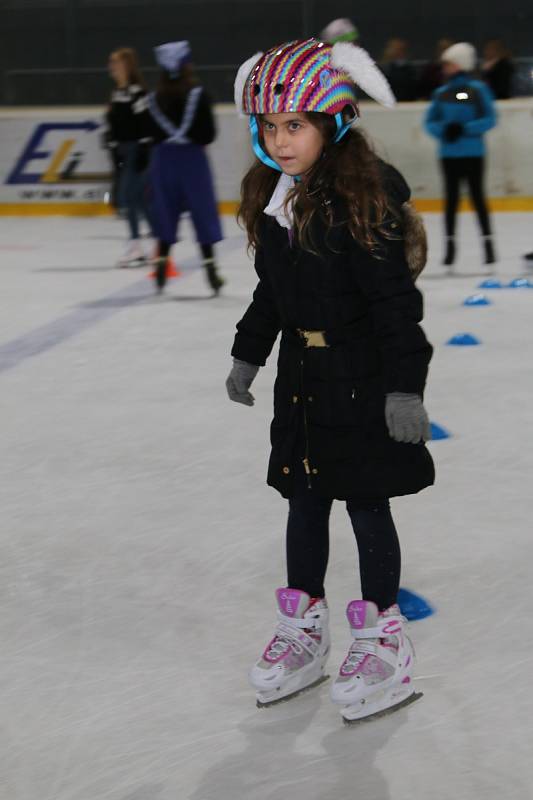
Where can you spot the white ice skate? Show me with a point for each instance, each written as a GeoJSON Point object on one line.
{"type": "Point", "coordinates": [376, 676]}
{"type": "Point", "coordinates": [133, 255]}
{"type": "Point", "coordinates": [295, 658]}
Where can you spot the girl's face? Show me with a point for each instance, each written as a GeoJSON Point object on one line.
{"type": "Point", "coordinates": [292, 142]}
{"type": "Point", "coordinates": [118, 70]}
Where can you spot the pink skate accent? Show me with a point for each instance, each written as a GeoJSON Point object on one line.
{"type": "Point", "coordinates": [370, 665]}
{"type": "Point", "coordinates": [361, 614]}
{"type": "Point", "coordinates": [392, 628]}
{"type": "Point", "coordinates": [408, 661]}
{"type": "Point", "coordinates": [268, 657]}
{"type": "Point", "coordinates": [292, 602]}
{"type": "Point", "coordinates": [406, 680]}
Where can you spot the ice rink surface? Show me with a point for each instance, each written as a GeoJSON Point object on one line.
{"type": "Point", "coordinates": [140, 546]}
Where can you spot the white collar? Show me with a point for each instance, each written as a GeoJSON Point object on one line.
{"type": "Point", "coordinates": [276, 205]}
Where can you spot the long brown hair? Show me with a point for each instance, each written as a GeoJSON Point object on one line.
{"type": "Point", "coordinates": [130, 58]}
{"type": "Point", "coordinates": [349, 169]}
{"type": "Point", "coordinates": [167, 86]}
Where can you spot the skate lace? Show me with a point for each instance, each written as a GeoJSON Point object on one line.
{"type": "Point", "coordinates": [284, 640]}
{"type": "Point", "coordinates": [358, 652]}
{"type": "Point", "coordinates": [277, 647]}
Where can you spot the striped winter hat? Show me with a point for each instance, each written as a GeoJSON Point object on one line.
{"type": "Point", "coordinates": [308, 76]}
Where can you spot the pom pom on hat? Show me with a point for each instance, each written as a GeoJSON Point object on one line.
{"type": "Point", "coordinates": [462, 54]}
{"type": "Point", "coordinates": [172, 56]}
{"type": "Point", "coordinates": [340, 30]}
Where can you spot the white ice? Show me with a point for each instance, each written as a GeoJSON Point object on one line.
{"type": "Point", "coordinates": [140, 546]}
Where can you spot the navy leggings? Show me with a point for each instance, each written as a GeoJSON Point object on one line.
{"type": "Point", "coordinates": [377, 542]}
{"type": "Point", "coordinates": [471, 170]}
{"type": "Point", "coordinates": [133, 189]}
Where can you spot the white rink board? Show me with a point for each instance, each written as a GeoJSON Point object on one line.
{"type": "Point", "coordinates": [397, 133]}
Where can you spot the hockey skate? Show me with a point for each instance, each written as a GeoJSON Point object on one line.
{"type": "Point", "coordinates": [133, 255]}
{"type": "Point", "coordinates": [294, 659]}
{"type": "Point", "coordinates": [376, 676]}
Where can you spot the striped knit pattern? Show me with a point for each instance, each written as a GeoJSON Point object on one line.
{"type": "Point", "coordinates": [297, 77]}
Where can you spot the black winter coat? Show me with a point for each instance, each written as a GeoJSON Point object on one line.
{"type": "Point", "coordinates": [329, 402]}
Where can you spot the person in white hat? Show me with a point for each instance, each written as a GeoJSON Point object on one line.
{"type": "Point", "coordinates": [461, 112]}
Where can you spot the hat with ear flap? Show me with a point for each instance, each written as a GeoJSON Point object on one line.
{"type": "Point", "coordinates": [305, 76]}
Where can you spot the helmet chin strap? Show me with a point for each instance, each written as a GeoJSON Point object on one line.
{"type": "Point", "coordinates": [258, 150]}
{"type": "Point", "coordinates": [342, 129]}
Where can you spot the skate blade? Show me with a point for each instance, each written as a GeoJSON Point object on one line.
{"type": "Point", "coordinates": [385, 712]}
{"type": "Point", "coordinates": [286, 697]}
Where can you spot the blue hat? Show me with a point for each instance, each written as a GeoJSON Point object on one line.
{"type": "Point", "coordinates": [172, 56]}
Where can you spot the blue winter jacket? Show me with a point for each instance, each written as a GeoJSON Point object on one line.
{"type": "Point", "coordinates": [469, 102]}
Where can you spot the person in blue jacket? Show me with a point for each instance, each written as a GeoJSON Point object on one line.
{"type": "Point", "coordinates": [460, 113]}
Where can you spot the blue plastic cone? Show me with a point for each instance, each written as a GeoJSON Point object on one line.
{"type": "Point", "coordinates": [414, 606]}
{"type": "Point", "coordinates": [463, 340]}
{"type": "Point", "coordinates": [490, 283]}
{"type": "Point", "coordinates": [437, 432]}
{"type": "Point", "coordinates": [477, 300]}
{"type": "Point", "coordinates": [520, 283]}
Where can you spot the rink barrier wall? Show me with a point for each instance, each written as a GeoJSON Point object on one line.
{"type": "Point", "coordinates": [52, 161]}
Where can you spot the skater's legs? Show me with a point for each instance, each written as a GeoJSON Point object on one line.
{"type": "Point", "coordinates": [166, 199]}
{"type": "Point", "coordinates": [308, 542]}
{"type": "Point", "coordinates": [379, 551]}
{"type": "Point", "coordinates": [208, 252]}
{"type": "Point", "coordinates": [197, 183]}
{"type": "Point", "coordinates": [452, 171]}
{"type": "Point", "coordinates": [474, 170]}
{"type": "Point", "coordinates": [130, 187]}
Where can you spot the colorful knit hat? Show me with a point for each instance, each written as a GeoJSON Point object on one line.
{"type": "Point", "coordinates": [306, 76]}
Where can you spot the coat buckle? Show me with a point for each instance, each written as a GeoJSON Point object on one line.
{"type": "Point", "coordinates": [313, 338]}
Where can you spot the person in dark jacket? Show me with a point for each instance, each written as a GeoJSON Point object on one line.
{"type": "Point", "coordinates": [432, 76]}
{"type": "Point", "coordinates": [323, 214]}
{"type": "Point", "coordinates": [128, 140]}
{"type": "Point", "coordinates": [399, 70]}
{"type": "Point", "coordinates": [460, 113]}
{"type": "Point", "coordinates": [180, 175]}
{"type": "Point", "coordinates": [497, 69]}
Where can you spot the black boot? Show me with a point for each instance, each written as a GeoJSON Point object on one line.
{"type": "Point", "coordinates": [490, 257]}
{"type": "Point", "coordinates": [449, 257]}
{"type": "Point", "coordinates": [529, 258]}
{"type": "Point", "coordinates": [161, 273]}
{"type": "Point", "coordinates": [216, 282]}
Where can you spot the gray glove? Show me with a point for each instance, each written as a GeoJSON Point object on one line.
{"type": "Point", "coordinates": [239, 381]}
{"type": "Point", "coordinates": [406, 418]}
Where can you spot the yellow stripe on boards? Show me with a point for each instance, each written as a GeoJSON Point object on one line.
{"type": "Point", "coordinates": [229, 207]}
{"type": "Point", "coordinates": [51, 174]}
{"type": "Point", "coordinates": [429, 205]}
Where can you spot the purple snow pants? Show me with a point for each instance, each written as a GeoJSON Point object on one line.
{"type": "Point", "coordinates": [180, 180]}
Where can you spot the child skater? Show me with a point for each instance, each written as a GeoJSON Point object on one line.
{"type": "Point", "coordinates": [324, 217]}
{"type": "Point", "coordinates": [180, 176]}
{"type": "Point", "coordinates": [128, 140]}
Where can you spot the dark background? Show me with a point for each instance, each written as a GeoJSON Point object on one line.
{"type": "Point", "coordinates": [55, 51]}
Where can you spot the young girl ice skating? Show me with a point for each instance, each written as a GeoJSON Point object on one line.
{"type": "Point", "coordinates": [180, 176]}
{"type": "Point", "coordinates": [329, 236]}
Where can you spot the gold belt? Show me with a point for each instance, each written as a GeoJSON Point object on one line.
{"type": "Point", "coordinates": [313, 338]}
